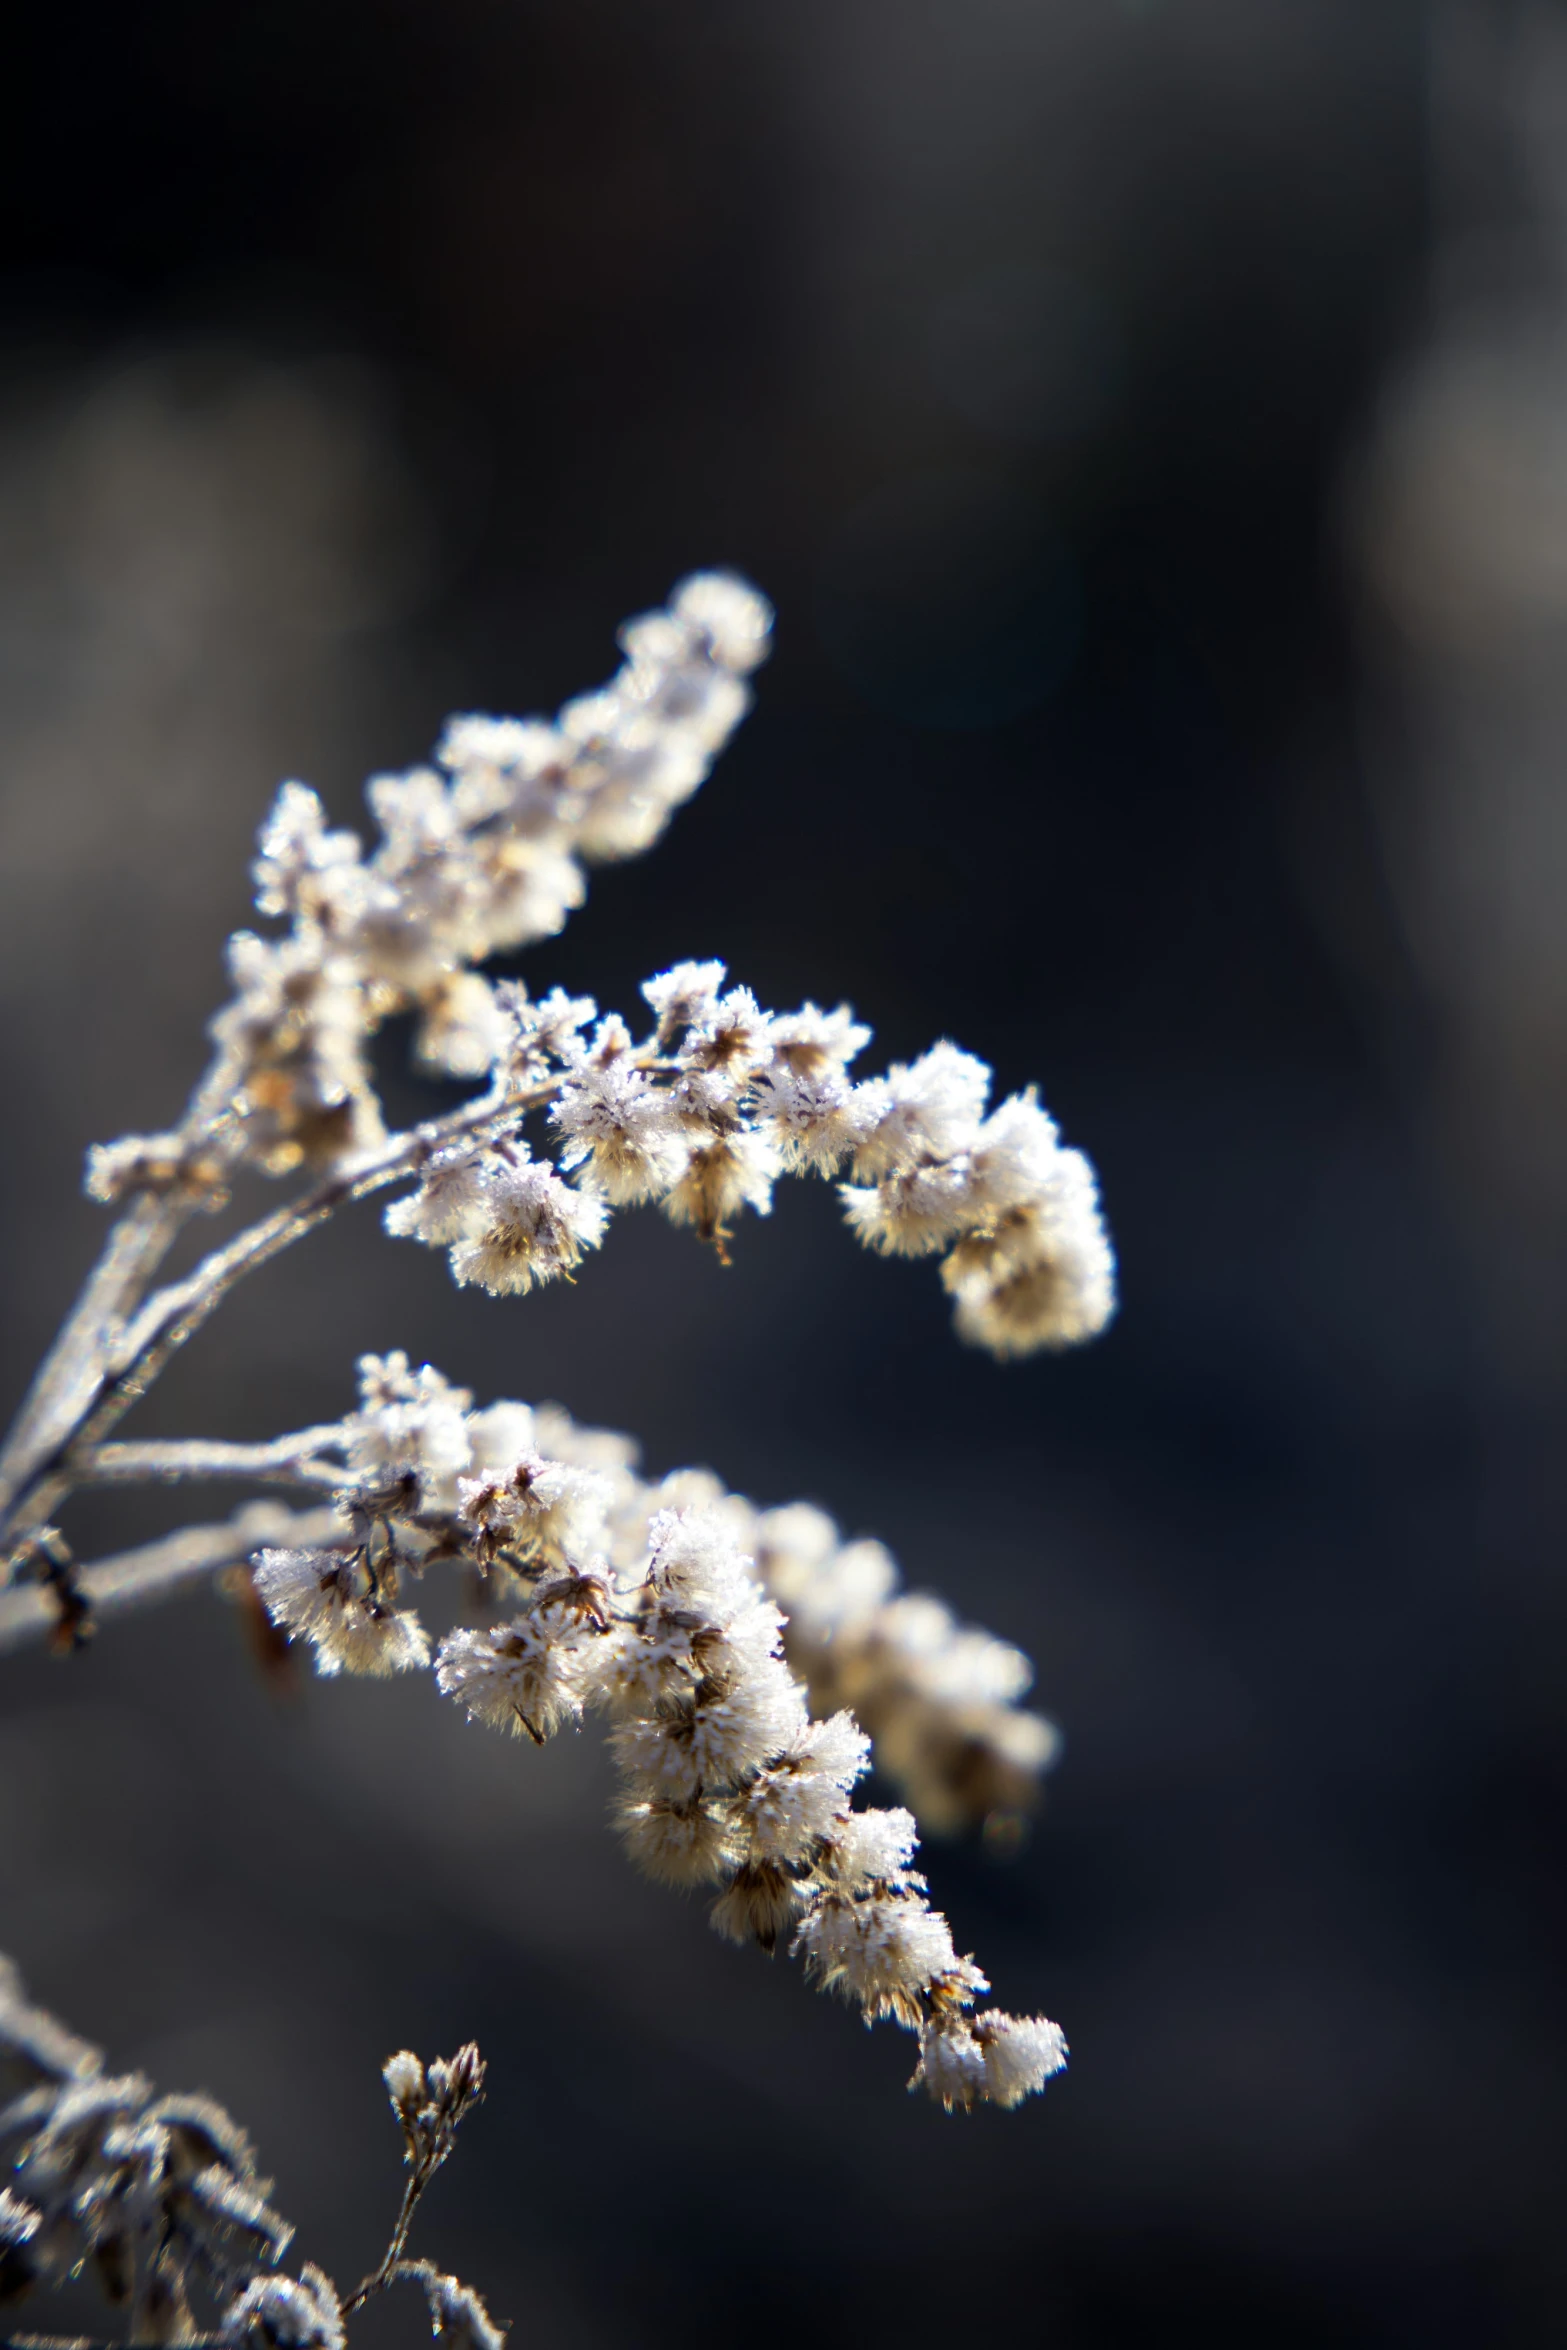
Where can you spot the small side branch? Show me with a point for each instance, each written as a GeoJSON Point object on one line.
{"type": "Point", "coordinates": [157, 1570]}
{"type": "Point", "coordinates": [285, 1460]}
{"type": "Point", "coordinates": [119, 1360]}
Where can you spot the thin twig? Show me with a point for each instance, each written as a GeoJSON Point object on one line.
{"type": "Point", "coordinates": [157, 1570]}
{"type": "Point", "coordinates": [286, 1460]}
{"type": "Point", "coordinates": [385, 2274]}
{"type": "Point", "coordinates": [175, 1313]}
{"type": "Point", "coordinates": [71, 1373]}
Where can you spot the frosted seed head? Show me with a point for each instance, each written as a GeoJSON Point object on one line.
{"type": "Point", "coordinates": [535, 1228]}
{"type": "Point", "coordinates": [730, 1038]}
{"type": "Point", "coordinates": [1021, 2054]}
{"type": "Point", "coordinates": [459, 2318]}
{"type": "Point", "coordinates": [285, 2313]}
{"type": "Point", "coordinates": [330, 1598]}
{"type": "Point", "coordinates": [882, 1951]}
{"type": "Point", "coordinates": [733, 620]}
{"type": "Point", "coordinates": [1043, 1274]}
{"type": "Point", "coordinates": [683, 997]}
{"type": "Point", "coordinates": [449, 1205]}
{"type": "Point", "coordinates": [951, 2068]}
{"type": "Point", "coordinates": [813, 1043]}
{"type": "Point", "coordinates": [676, 1843]}
{"type": "Point", "coordinates": [721, 1177]}
{"type": "Point", "coordinates": [623, 1130]}
{"type": "Point", "coordinates": [873, 1848]}
{"type": "Point", "coordinates": [462, 1030]}
{"type": "Point", "coordinates": [404, 2078]}
{"type": "Point", "coordinates": [761, 1902]}
{"type": "Point", "coordinates": [916, 1212]}
{"type": "Point", "coordinates": [926, 1109]}
{"type": "Point", "coordinates": [522, 1677]}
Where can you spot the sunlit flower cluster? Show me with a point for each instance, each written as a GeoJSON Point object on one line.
{"type": "Point", "coordinates": [706, 1111]}
{"type": "Point", "coordinates": [638, 1601]}
{"type": "Point", "coordinates": [750, 1665]}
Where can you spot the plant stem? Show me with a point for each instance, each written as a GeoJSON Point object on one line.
{"type": "Point", "coordinates": [156, 1570]}
{"type": "Point", "coordinates": [102, 1363]}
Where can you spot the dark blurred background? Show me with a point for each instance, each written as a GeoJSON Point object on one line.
{"type": "Point", "coordinates": [1150, 418]}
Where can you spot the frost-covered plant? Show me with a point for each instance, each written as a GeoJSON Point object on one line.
{"type": "Point", "coordinates": [160, 2197]}
{"type": "Point", "coordinates": [727, 1647]}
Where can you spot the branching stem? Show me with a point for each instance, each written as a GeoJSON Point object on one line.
{"type": "Point", "coordinates": [109, 1354]}
{"type": "Point", "coordinates": [156, 1570]}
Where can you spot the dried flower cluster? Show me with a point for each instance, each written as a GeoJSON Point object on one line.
{"type": "Point", "coordinates": [160, 2198]}
{"type": "Point", "coordinates": [744, 1660]}
{"type": "Point", "coordinates": [642, 1602]}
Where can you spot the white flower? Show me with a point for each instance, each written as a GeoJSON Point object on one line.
{"type": "Point", "coordinates": [818, 1119]}
{"type": "Point", "coordinates": [302, 869]}
{"type": "Point", "coordinates": [731, 1172]}
{"type": "Point", "coordinates": [728, 1038]}
{"type": "Point", "coordinates": [970, 1668]}
{"type": "Point", "coordinates": [522, 1676]}
{"type": "Point", "coordinates": [874, 1847]}
{"type": "Point", "coordinates": [410, 1424]}
{"type": "Point", "coordinates": [683, 996]}
{"type": "Point", "coordinates": [679, 1843]}
{"type": "Point", "coordinates": [951, 2065]}
{"type": "Point", "coordinates": [1044, 1275]}
{"type": "Point", "coordinates": [912, 1213]}
{"type": "Point", "coordinates": [927, 1109]}
{"type": "Point", "coordinates": [1021, 2054]}
{"type": "Point", "coordinates": [331, 1598]}
{"type": "Point", "coordinates": [693, 1554]}
{"type": "Point", "coordinates": [884, 1950]}
{"type": "Point", "coordinates": [448, 1204]}
{"type": "Point", "coordinates": [521, 890]}
{"type": "Point", "coordinates": [803, 1796]}
{"type": "Point", "coordinates": [463, 1031]}
{"type": "Point", "coordinates": [405, 2082]}
{"type": "Point", "coordinates": [543, 1032]}
{"type": "Point", "coordinates": [734, 620]}
{"type": "Point", "coordinates": [759, 1904]}
{"type": "Point", "coordinates": [812, 1043]}
{"type": "Point", "coordinates": [625, 1129]}
{"type": "Point", "coordinates": [531, 1507]}
{"type": "Point", "coordinates": [707, 1744]}
{"type": "Point", "coordinates": [534, 1228]}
